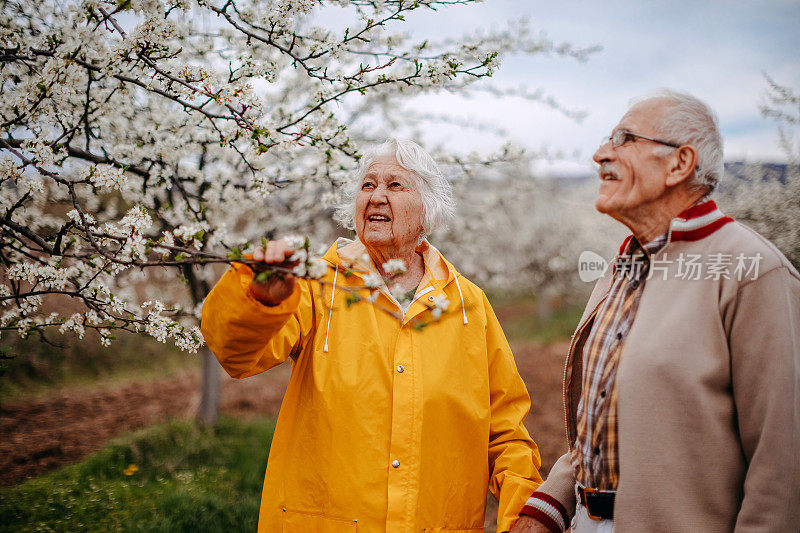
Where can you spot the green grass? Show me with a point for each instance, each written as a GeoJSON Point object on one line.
{"type": "Point", "coordinates": [560, 325]}
{"type": "Point", "coordinates": [188, 479]}
{"type": "Point", "coordinates": [521, 320]}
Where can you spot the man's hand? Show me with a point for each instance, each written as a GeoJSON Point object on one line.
{"type": "Point", "coordinates": [528, 524]}
{"type": "Point", "coordinates": [279, 286]}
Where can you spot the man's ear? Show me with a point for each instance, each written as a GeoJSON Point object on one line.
{"type": "Point", "coordinates": [682, 164]}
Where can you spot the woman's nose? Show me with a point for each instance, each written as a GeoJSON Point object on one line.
{"type": "Point", "coordinates": [378, 196]}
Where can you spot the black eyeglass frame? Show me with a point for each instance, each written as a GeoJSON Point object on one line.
{"type": "Point", "coordinates": [620, 137]}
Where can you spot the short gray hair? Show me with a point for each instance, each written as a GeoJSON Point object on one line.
{"type": "Point", "coordinates": [688, 120]}
{"type": "Point", "coordinates": [438, 205]}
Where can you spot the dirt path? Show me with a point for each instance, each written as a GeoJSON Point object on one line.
{"type": "Point", "coordinates": [41, 435]}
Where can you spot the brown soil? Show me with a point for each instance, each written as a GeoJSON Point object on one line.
{"type": "Point", "coordinates": [43, 434]}
{"type": "Point", "coordinates": [542, 368]}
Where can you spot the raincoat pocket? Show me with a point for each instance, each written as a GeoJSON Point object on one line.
{"type": "Point", "coordinates": [306, 522]}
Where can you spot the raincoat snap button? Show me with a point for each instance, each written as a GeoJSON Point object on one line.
{"type": "Point", "coordinates": [396, 463]}
{"type": "Point", "coordinates": [400, 368]}
{"type": "Point", "coordinates": [430, 298]}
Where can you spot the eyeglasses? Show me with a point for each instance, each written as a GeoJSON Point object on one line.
{"type": "Point", "coordinates": [620, 137]}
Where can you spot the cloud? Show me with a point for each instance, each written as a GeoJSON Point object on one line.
{"type": "Point", "coordinates": [715, 50]}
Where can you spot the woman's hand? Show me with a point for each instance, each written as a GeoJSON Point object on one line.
{"type": "Point", "coordinates": [278, 286]}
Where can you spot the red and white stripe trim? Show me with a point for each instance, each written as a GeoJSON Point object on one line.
{"type": "Point", "coordinates": [698, 222]}
{"type": "Point", "coordinates": [548, 511]}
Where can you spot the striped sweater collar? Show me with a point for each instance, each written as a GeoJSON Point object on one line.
{"type": "Point", "coordinates": [693, 224]}
{"type": "Point", "coordinates": [697, 222]}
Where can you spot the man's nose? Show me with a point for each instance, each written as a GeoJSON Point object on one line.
{"type": "Point", "coordinates": [603, 153]}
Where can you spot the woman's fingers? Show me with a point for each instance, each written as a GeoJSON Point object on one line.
{"type": "Point", "coordinates": [276, 288]}
{"type": "Point", "coordinates": [288, 251]}
{"type": "Point", "coordinates": [275, 252]}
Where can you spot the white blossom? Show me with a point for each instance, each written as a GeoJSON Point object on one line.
{"type": "Point", "coordinates": [30, 305]}
{"type": "Point", "coordinates": [317, 268]}
{"type": "Point", "coordinates": [9, 169]}
{"type": "Point", "coordinates": [295, 242]}
{"type": "Point", "coordinates": [400, 294]}
{"type": "Point", "coordinates": [137, 219]}
{"type": "Point", "coordinates": [441, 302]}
{"type": "Point", "coordinates": [75, 324]}
{"type": "Point", "coordinates": [299, 270]}
{"type": "Point", "coordinates": [394, 266]}
{"type": "Point", "coordinates": [73, 215]}
{"type": "Point", "coordinates": [107, 176]}
{"type": "Point", "coordinates": [5, 291]}
{"type": "Point", "coordinates": [300, 255]}
{"type": "Point", "coordinates": [439, 305]}
{"type": "Point", "coordinates": [189, 233]}
{"type": "Point", "coordinates": [39, 151]}
{"type": "Point", "coordinates": [372, 280]}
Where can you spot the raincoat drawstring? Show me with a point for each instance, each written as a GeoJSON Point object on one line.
{"type": "Point", "coordinates": [463, 309]}
{"type": "Point", "coordinates": [330, 311]}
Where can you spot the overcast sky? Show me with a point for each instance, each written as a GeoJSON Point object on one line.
{"type": "Point", "coordinates": [716, 50]}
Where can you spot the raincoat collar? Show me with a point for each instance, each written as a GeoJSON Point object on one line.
{"type": "Point", "coordinates": [352, 254]}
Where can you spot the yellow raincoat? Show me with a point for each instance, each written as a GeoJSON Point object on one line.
{"type": "Point", "coordinates": [384, 426]}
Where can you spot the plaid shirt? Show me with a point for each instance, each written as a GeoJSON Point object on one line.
{"type": "Point", "coordinates": [595, 454]}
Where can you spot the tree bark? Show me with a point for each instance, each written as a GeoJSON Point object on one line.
{"type": "Point", "coordinates": [544, 306]}
{"type": "Point", "coordinates": [208, 413]}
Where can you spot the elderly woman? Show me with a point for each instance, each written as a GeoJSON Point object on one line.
{"type": "Point", "coordinates": [385, 425]}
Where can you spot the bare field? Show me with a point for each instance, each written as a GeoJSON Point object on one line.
{"type": "Point", "coordinates": [43, 434]}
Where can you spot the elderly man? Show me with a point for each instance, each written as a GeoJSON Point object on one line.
{"type": "Point", "coordinates": [682, 381]}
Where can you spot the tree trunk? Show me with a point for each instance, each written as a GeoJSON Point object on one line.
{"type": "Point", "coordinates": [208, 413]}
{"type": "Point", "coordinates": [544, 306]}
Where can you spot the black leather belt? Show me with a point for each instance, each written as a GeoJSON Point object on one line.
{"type": "Point", "coordinates": [599, 504]}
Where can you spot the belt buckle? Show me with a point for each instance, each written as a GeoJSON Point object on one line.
{"type": "Point", "coordinates": [588, 492]}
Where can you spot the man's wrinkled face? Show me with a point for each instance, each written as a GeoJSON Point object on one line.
{"type": "Point", "coordinates": [632, 175]}
{"type": "Point", "coordinates": [388, 206]}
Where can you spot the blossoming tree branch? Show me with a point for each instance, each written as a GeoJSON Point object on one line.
{"type": "Point", "coordinates": [141, 140]}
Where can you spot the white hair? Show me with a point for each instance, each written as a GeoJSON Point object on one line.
{"type": "Point", "coordinates": [438, 205]}
{"type": "Point", "coordinates": [688, 120]}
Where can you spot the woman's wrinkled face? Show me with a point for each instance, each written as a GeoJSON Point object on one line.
{"type": "Point", "coordinates": [389, 206]}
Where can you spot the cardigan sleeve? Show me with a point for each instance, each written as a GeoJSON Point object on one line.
{"type": "Point", "coordinates": [554, 501]}
{"type": "Point", "coordinates": [764, 340]}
